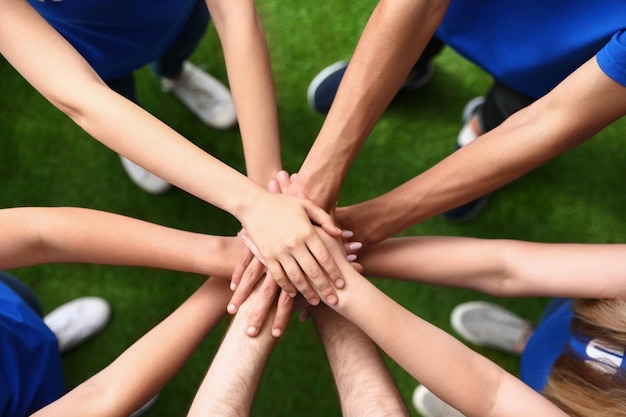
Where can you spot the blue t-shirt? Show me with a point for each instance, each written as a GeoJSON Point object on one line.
{"type": "Point", "coordinates": [532, 45]}
{"type": "Point", "coordinates": [31, 375]}
{"type": "Point", "coordinates": [117, 36]}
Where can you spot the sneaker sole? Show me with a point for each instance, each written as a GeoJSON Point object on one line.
{"type": "Point", "coordinates": [319, 78]}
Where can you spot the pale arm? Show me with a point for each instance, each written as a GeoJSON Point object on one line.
{"type": "Point", "coordinates": [579, 107]}
{"type": "Point", "coordinates": [250, 75]}
{"type": "Point", "coordinates": [144, 368]}
{"type": "Point", "coordinates": [280, 226]}
{"type": "Point", "coordinates": [461, 377]}
{"type": "Point", "coordinates": [33, 236]}
{"type": "Point", "coordinates": [505, 268]}
{"type": "Point", "coordinates": [392, 40]}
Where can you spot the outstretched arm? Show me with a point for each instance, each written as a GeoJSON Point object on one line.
{"type": "Point", "coordinates": [461, 377]}
{"type": "Point", "coordinates": [280, 226]}
{"type": "Point", "coordinates": [393, 39]}
{"type": "Point", "coordinates": [144, 368]}
{"type": "Point", "coordinates": [507, 268]}
{"type": "Point", "coordinates": [579, 107]}
{"type": "Point", "coordinates": [45, 235]}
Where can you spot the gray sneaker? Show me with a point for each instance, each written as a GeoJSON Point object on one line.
{"type": "Point", "coordinates": [429, 405]}
{"type": "Point", "coordinates": [489, 325]}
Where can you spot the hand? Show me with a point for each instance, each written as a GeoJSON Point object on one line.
{"type": "Point", "coordinates": [308, 263]}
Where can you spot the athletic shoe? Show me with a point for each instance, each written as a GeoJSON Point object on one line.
{"type": "Point", "coordinates": [467, 135]}
{"type": "Point", "coordinates": [489, 325]}
{"type": "Point", "coordinates": [429, 405]}
{"type": "Point", "coordinates": [204, 95]}
{"type": "Point", "coordinates": [323, 88]}
{"type": "Point", "coordinates": [144, 179]}
{"type": "Point", "coordinates": [79, 320]}
{"type": "Point", "coordinates": [144, 408]}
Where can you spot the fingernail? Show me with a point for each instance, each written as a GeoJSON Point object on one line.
{"type": "Point", "coordinates": [331, 299]}
{"type": "Point", "coordinates": [314, 301]}
{"type": "Point", "coordinates": [347, 233]}
{"type": "Point", "coordinates": [340, 283]}
{"type": "Point", "coordinates": [355, 246]}
{"type": "Point", "coordinates": [251, 331]}
{"type": "Point", "coordinates": [231, 309]}
{"type": "Point", "coordinates": [351, 257]}
{"type": "Point", "coordinates": [233, 286]}
{"type": "Point", "coordinates": [276, 332]}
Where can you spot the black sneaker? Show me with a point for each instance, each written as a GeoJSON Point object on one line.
{"type": "Point", "coordinates": [323, 88]}
{"type": "Point", "coordinates": [468, 210]}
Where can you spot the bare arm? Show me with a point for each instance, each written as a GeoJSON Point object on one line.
{"type": "Point", "coordinates": [503, 267]}
{"type": "Point", "coordinates": [461, 377]}
{"type": "Point", "coordinates": [245, 48]}
{"type": "Point", "coordinates": [392, 40]}
{"type": "Point", "coordinates": [280, 226]}
{"type": "Point", "coordinates": [579, 107]}
{"type": "Point", "coordinates": [144, 368]}
{"type": "Point", "coordinates": [44, 235]}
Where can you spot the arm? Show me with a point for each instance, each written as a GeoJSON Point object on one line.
{"type": "Point", "coordinates": [229, 386]}
{"type": "Point", "coordinates": [280, 226]}
{"type": "Point", "coordinates": [505, 268]}
{"type": "Point", "coordinates": [579, 107]}
{"type": "Point", "coordinates": [461, 377]}
{"type": "Point", "coordinates": [44, 235]}
{"type": "Point", "coordinates": [144, 368]}
{"type": "Point", "coordinates": [363, 381]}
{"type": "Point", "coordinates": [243, 41]}
{"type": "Point", "coordinates": [392, 40]}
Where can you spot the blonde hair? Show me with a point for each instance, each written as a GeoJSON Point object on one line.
{"type": "Point", "coordinates": [577, 386]}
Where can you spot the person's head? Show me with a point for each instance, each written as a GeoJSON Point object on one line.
{"type": "Point", "coordinates": [589, 378]}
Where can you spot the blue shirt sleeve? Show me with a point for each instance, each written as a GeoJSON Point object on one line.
{"type": "Point", "coordinates": [612, 58]}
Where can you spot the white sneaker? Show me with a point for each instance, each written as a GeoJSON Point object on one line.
{"type": "Point", "coordinates": [145, 180]}
{"type": "Point", "coordinates": [75, 322]}
{"type": "Point", "coordinates": [487, 324]}
{"type": "Point", "coordinates": [429, 405]}
{"type": "Point", "coordinates": [204, 95]}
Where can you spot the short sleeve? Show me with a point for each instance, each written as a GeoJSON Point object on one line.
{"type": "Point", "coordinates": [612, 58]}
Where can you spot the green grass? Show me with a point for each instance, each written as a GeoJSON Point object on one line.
{"type": "Point", "coordinates": [45, 160]}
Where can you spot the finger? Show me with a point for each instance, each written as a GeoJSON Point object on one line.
{"type": "Point", "coordinates": [352, 247]}
{"type": "Point", "coordinates": [278, 273]}
{"type": "Point", "coordinates": [262, 306]}
{"type": "Point", "coordinates": [246, 257]}
{"type": "Point", "coordinates": [250, 245]}
{"type": "Point", "coordinates": [316, 276]}
{"type": "Point", "coordinates": [320, 217]}
{"type": "Point", "coordinates": [250, 277]}
{"type": "Point", "coordinates": [326, 261]}
{"type": "Point", "coordinates": [294, 270]}
{"type": "Point", "coordinates": [283, 180]}
{"type": "Point", "coordinates": [284, 308]}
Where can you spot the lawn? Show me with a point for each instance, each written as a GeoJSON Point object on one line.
{"type": "Point", "coordinates": [46, 160]}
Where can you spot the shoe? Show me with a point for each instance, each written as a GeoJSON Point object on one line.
{"type": "Point", "coordinates": [429, 405]}
{"type": "Point", "coordinates": [204, 95]}
{"type": "Point", "coordinates": [79, 320]}
{"type": "Point", "coordinates": [145, 180]}
{"type": "Point", "coordinates": [467, 135]}
{"type": "Point", "coordinates": [144, 408]}
{"type": "Point", "coordinates": [489, 325]}
{"type": "Point", "coordinates": [323, 88]}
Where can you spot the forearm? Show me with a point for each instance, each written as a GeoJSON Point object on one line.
{"type": "Point", "coordinates": [392, 40]}
{"type": "Point", "coordinates": [71, 85]}
{"type": "Point", "coordinates": [549, 127]}
{"type": "Point", "coordinates": [144, 368]}
{"type": "Point", "coordinates": [44, 235]}
{"type": "Point", "coordinates": [250, 75]}
{"type": "Point", "coordinates": [363, 381]}
{"type": "Point", "coordinates": [464, 379]}
{"type": "Point", "coordinates": [229, 386]}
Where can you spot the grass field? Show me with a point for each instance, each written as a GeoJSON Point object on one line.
{"type": "Point", "coordinates": [46, 160]}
